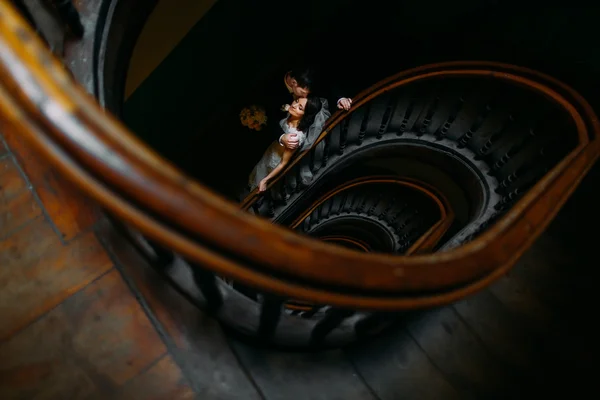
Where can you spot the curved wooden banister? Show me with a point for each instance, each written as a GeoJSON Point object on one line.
{"type": "Point", "coordinates": [39, 100]}
{"type": "Point", "coordinates": [429, 239]}
{"type": "Point", "coordinates": [357, 101]}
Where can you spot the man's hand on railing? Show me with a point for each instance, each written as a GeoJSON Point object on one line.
{"type": "Point", "coordinates": [344, 103]}
{"type": "Point", "coordinates": [289, 141]}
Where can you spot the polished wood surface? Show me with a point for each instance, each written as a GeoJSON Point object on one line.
{"type": "Point", "coordinates": [196, 340]}
{"type": "Point", "coordinates": [120, 332]}
{"type": "Point", "coordinates": [71, 211]}
{"type": "Point", "coordinates": [127, 334]}
{"type": "Point", "coordinates": [71, 327]}
{"type": "Point", "coordinates": [41, 102]}
{"type": "Point", "coordinates": [34, 257]}
{"type": "Point", "coordinates": [17, 204]}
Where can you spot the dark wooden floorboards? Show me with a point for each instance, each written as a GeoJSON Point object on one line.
{"type": "Point", "coordinates": [70, 325]}
{"type": "Point", "coordinates": [85, 316]}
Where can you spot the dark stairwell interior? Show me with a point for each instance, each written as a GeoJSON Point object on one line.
{"type": "Point", "coordinates": [528, 335]}
{"type": "Point", "coordinates": [232, 58]}
{"type": "Point", "coordinates": [378, 40]}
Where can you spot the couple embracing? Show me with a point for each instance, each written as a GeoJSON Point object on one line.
{"type": "Point", "coordinates": [304, 122]}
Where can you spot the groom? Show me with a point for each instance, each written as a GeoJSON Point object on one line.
{"type": "Point", "coordinates": [299, 82]}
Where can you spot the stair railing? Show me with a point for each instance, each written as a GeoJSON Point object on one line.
{"type": "Point", "coordinates": [427, 242]}
{"type": "Point", "coordinates": [40, 101]}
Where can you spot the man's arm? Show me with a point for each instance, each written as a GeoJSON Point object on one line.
{"type": "Point", "coordinates": [339, 100]}
{"type": "Point", "coordinates": [289, 141]}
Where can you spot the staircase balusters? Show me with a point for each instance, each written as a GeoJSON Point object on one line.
{"type": "Point", "coordinates": [333, 318]}
{"type": "Point", "coordinates": [207, 283]}
{"type": "Point", "coordinates": [270, 314]}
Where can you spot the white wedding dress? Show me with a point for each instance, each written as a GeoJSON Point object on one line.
{"type": "Point", "coordinates": [273, 156]}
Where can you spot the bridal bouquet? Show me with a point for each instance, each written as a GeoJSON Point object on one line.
{"type": "Point", "coordinates": [254, 117]}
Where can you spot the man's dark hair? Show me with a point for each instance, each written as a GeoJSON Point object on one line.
{"type": "Point", "coordinates": [305, 76]}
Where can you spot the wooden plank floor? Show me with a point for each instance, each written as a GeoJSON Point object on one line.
{"type": "Point", "coordinates": [85, 316]}
{"type": "Point", "coordinates": [71, 327]}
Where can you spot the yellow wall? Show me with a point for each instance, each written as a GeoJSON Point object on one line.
{"type": "Point", "coordinates": [168, 23]}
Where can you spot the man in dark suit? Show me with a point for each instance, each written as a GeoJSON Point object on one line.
{"type": "Point", "coordinates": [299, 82]}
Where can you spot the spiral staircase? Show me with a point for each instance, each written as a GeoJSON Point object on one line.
{"type": "Point", "coordinates": [385, 274]}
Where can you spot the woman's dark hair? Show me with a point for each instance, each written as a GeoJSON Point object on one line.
{"type": "Point", "coordinates": [305, 76]}
{"type": "Point", "coordinates": [313, 106]}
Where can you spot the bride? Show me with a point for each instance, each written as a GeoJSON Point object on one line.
{"type": "Point", "coordinates": [306, 118]}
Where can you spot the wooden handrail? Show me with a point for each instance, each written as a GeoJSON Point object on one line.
{"type": "Point", "coordinates": [426, 241]}
{"type": "Point", "coordinates": [359, 100]}
{"type": "Point", "coordinates": [429, 239]}
{"type": "Point", "coordinates": [39, 100]}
